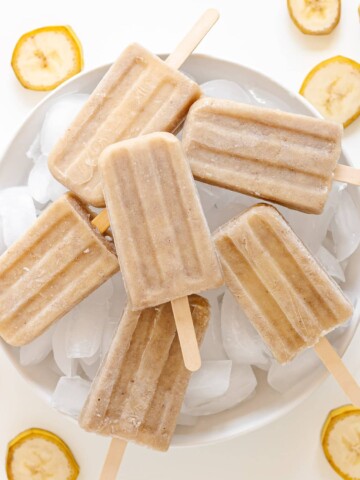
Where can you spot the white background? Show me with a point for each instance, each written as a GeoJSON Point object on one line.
{"type": "Point", "coordinates": [259, 34]}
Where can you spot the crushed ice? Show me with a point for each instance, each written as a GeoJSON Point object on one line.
{"type": "Point", "coordinates": [232, 347]}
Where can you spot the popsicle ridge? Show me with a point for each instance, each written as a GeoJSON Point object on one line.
{"type": "Point", "coordinates": [265, 153]}
{"type": "Point", "coordinates": [33, 295]}
{"type": "Point", "coordinates": [170, 252]}
{"type": "Point", "coordinates": [142, 114]}
{"type": "Point", "coordinates": [139, 94]}
{"type": "Point", "coordinates": [284, 291]}
{"type": "Point", "coordinates": [139, 389]}
{"type": "Point", "coordinates": [166, 166]}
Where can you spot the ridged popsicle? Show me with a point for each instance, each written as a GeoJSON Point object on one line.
{"type": "Point", "coordinates": [58, 262]}
{"type": "Point", "coordinates": [139, 94]}
{"type": "Point", "coordinates": [139, 389]}
{"type": "Point", "coordinates": [285, 293]}
{"type": "Point", "coordinates": [278, 156]}
{"type": "Point", "coordinates": [161, 235]}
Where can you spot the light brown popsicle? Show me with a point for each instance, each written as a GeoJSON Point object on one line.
{"type": "Point", "coordinates": [138, 95]}
{"type": "Point", "coordinates": [162, 239]}
{"type": "Point", "coordinates": [58, 262]}
{"type": "Point", "coordinates": [285, 293]}
{"type": "Point", "coordinates": [277, 156]}
{"type": "Point", "coordinates": [139, 389]}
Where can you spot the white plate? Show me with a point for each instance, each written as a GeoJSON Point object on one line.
{"type": "Point", "coordinates": [267, 405]}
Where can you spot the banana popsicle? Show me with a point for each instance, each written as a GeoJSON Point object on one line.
{"type": "Point", "coordinates": [162, 239]}
{"type": "Point", "coordinates": [139, 389]}
{"type": "Point", "coordinates": [60, 260]}
{"type": "Point", "coordinates": [139, 94]}
{"type": "Point", "coordinates": [278, 156]}
{"type": "Point", "coordinates": [285, 293]}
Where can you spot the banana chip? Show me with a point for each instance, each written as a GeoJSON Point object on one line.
{"type": "Point", "coordinates": [40, 455]}
{"type": "Point", "coordinates": [46, 57]}
{"type": "Point", "coordinates": [333, 87]}
{"type": "Point", "coordinates": [340, 439]}
{"type": "Point", "coordinates": [315, 17]}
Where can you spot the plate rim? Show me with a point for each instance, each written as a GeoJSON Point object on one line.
{"type": "Point", "coordinates": [289, 405]}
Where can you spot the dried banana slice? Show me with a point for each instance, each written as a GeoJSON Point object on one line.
{"type": "Point", "coordinates": [44, 58]}
{"type": "Point", "coordinates": [41, 455]}
{"type": "Point", "coordinates": [340, 439]}
{"type": "Point", "coordinates": [315, 17]}
{"type": "Point", "coordinates": [333, 87]}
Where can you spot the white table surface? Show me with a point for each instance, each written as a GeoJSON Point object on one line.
{"type": "Point", "coordinates": [259, 34]}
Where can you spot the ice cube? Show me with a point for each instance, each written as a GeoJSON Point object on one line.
{"type": "Point", "coordinates": [90, 360]}
{"type": "Point", "coordinates": [101, 295]}
{"type": "Point", "coordinates": [211, 381]}
{"type": "Point", "coordinates": [283, 378]}
{"type": "Point", "coordinates": [90, 370]}
{"type": "Point", "coordinates": [312, 229]}
{"type": "Point", "coordinates": [58, 119]}
{"type": "Point", "coordinates": [241, 341]}
{"type": "Point", "coordinates": [242, 384]}
{"type": "Point", "coordinates": [17, 212]}
{"type": "Point", "coordinates": [118, 299]}
{"type": "Point", "coordinates": [330, 264]}
{"type": "Point", "coordinates": [212, 346]}
{"type": "Point", "coordinates": [2, 242]}
{"type": "Point", "coordinates": [70, 395]}
{"type": "Point", "coordinates": [263, 98]}
{"type": "Point", "coordinates": [84, 334]}
{"type": "Point", "coordinates": [209, 195]}
{"type": "Point", "coordinates": [34, 151]}
{"type": "Point", "coordinates": [55, 189]}
{"type": "Point", "coordinates": [226, 89]}
{"type": "Point", "coordinates": [228, 205]}
{"type": "Point", "coordinates": [108, 335]}
{"type": "Point", "coordinates": [67, 365]}
{"type": "Point", "coordinates": [39, 180]}
{"type": "Point", "coordinates": [36, 351]}
{"type": "Point", "coordinates": [345, 227]}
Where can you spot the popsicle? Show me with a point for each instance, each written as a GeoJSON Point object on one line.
{"type": "Point", "coordinates": [60, 260]}
{"type": "Point", "coordinates": [161, 236]}
{"type": "Point", "coordinates": [278, 156]}
{"type": "Point", "coordinates": [285, 293]}
{"type": "Point", "coordinates": [139, 389]}
{"type": "Point", "coordinates": [139, 94]}
{"type": "Point", "coordinates": [162, 239]}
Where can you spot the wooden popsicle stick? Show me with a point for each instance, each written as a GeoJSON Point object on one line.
{"type": "Point", "coordinates": [186, 332]}
{"type": "Point", "coordinates": [182, 314]}
{"type": "Point", "coordinates": [193, 38]}
{"type": "Point", "coordinates": [337, 368]}
{"type": "Point", "coordinates": [346, 174]}
{"type": "Point", "coordinates": [101, 221]}
{"type": "Point", "coordinates": [113, 459]}
{"type": "Point", "coordinates": [181, 307]}
{"type": "Point", "coordinates": [175, 60]}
